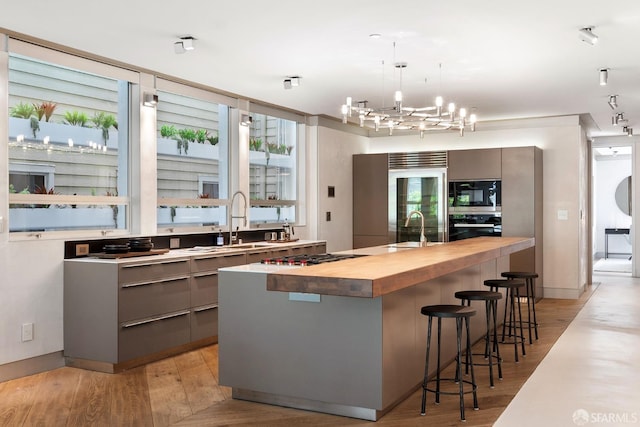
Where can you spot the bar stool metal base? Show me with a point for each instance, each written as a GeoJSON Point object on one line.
{"type": "Point", "coordinates": [514, 323]}
{"type": "Point", "coordinates": [461, 314]}
{"type": "Point", "coordinates": [491, 348]}
{"type": "Point", "coordinates": [530, 291]}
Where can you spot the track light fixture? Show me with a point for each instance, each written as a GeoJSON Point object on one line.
{"type": "Point", "coordinates": [291, 82]}
{"type": "Point", "coordinates": [613, 101]}
{"type": "Point", "coordinates": [150, 100]}
{"type": "Point", "coordinates": [628, 130]}
{"type": "Point", "coordinates": [587, 36]}
{"type": "Point", "coordinates": [604, 76]}
{"type": "Point", "coordinates": [184, 44]}
{"type": "Point", "coordinates": [246, 120]}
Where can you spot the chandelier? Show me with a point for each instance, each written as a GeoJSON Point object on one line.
{"type": "Point", "coordinates": [399, 117]}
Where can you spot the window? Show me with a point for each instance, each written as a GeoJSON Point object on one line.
{"type": "Point", "coordinates": [273, 154]}
{"type": "Point", "coordinates": [192, 157]}
{"type": "Point", "coordinates": [68, 144]}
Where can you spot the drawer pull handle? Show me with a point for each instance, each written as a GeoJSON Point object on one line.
{"type": "Point", "coordinates": [205, 274]}
{"type": "Point", "coordinates": [156, 263]}
{"type": "Point", "coordinates": [154, 319]}
{"type": "Point", "coordinates": [172, 279]}
{"type": "Point", "coordinates": [205, 308]}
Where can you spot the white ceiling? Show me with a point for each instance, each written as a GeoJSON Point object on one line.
{"type": "Point", "coordinates": [503, 58]}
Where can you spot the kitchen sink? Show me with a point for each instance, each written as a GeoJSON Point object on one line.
{"type": "Point", "coordinates": [408, 245]}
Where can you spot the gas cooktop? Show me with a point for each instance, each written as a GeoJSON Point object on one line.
{"type": "Point", "coordinates": [303, 260]}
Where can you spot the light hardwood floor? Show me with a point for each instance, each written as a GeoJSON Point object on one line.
{"type": "Point", "coordinates": [184, 391]}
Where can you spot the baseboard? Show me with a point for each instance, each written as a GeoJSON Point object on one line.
{"type": "Point", "coordinates": [563, 293]}
{"type": "Point", "coordinates": [34, 365]}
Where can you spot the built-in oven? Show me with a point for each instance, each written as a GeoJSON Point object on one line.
{"type": "Point", "coordinates": [475, 196]}
{"type": "Point", "coordinates": [471, 224]}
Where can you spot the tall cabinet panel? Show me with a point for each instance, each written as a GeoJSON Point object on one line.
{"type": "Point", "coordinates": [522, 205]}
{"type": "Point", "coordinates": [370, 200]}
{"type": "Point", "coordinates": [474, 164]}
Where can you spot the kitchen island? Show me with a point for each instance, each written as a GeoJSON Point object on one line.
{"type": "Point", "coordinates": [346, 337]}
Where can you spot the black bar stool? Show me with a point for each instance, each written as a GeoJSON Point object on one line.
{"type": "Point", "coordinates": [512, 300]}
{"type": "Point", "coordinates": [491, 347]}
{"type": "Point", "coordinates": [460, 313]}
{"type": "Point", "coordinates": [531, 297]}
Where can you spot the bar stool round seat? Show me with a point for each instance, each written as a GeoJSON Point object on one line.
{"type": "Point", "coordinates": [491, 347]}
{"type": "Point", "coordinates": [514, 321]}
{"type": "Point", "coordinates": [530, 290]}
{"type": "Point", "coordinates": [461, 314]}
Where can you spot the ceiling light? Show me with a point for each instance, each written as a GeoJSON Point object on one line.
{"type": "Point", "coordinates": [246, 120]}
{"type": "Point", "coordinates": [618, 119]}
{"type": "Point", "coordinates": [401, 117]}
{"type": "Point", "coordinates": [604, 76]}
{"type": "Point", "coordinates": [184, 44]}
{"type": "Point", "coordinates": [628, 131]}
{"type": "Point", "coordinates": [291, 82]}
{"type": "Point", "coordinates": [150, 100]}
{"type": "Point", "coordinates": [613, 101]}
{"type": "Point", "coordinates": [587, 36]}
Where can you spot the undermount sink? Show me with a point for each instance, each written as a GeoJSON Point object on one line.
{"type": "Point", "coordinates": [209, 249]}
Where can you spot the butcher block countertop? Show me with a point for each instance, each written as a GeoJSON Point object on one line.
{"type": "Point", "coordinates": [376, 275]}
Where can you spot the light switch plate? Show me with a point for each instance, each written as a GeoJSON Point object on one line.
{"type": "Point", "coordinates": [174, 243]}
{"type": "Point", "coordinates": [563, 215]}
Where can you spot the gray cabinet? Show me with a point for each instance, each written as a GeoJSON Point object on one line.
{"type": "Point", "coordinates": [120, 314]}
{"type": "Point", "coordinates": [370, 200]}
{"type": "Point", "coordinates": [474, 164]}
{"type": "Point", "coordinates": [522, 205]}
{"type": "Point", "coordinates": [117, 312]}
{"type": "Point", "coordinates": [204, 293]}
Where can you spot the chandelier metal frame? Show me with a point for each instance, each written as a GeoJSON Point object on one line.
{"type": "Point", "coordinates": [399, 117]}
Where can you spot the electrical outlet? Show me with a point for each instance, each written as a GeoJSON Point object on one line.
{"type": "Point", "coordinates": [328, 216]}
{"type": "Point", "coordinates": [174, 243]}
{"type": "Point", "coordinates": [27, 332]}
{"type": "Point", "coordinates": [82, 249]}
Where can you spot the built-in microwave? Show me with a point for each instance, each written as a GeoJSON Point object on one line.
{"type": "Point", "coordinates": [475, 196]}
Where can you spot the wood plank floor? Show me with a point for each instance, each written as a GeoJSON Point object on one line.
{"type": "Point", "coordinates": [184, 391]}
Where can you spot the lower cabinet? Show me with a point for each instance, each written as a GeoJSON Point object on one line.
{"type": "Point", "coordinates": [143, 337]}
{"type": "Point", "coordinates": [122, 313]}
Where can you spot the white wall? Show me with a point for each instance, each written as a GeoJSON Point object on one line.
{"type": "Point", "coordinates": [607, 174]}
{"type": "Point", "coordinates": [562, 142]}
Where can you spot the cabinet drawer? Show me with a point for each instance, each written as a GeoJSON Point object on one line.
{"type": "Point", "coordinates": [152, 335]}
{"type": "Point", "coordinates": [145, 299]}
{"type": "Point", "coordinates": [204, 322]}
{"type": "Point", "coordinates": [200, 264]}
{"type": "Point", "coordinates": [133, 273]}
{"type": "Point", "coordinates": [204, 288]}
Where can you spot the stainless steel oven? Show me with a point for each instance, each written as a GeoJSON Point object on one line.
{"type": "Point", "coordinates": [475, 196]}
{"type": "Point", "coordinates": [464, 225]}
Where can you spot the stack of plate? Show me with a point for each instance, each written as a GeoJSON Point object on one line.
{"type": "Point", "coordinates": [115, 249]}
{"type": "Point", "coordinates": [141, 244]}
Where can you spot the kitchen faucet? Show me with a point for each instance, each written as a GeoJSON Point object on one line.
{"type": "Point", "coordinates": [423, 238]}
{"type": "Point", "coordinates": [232, 216]}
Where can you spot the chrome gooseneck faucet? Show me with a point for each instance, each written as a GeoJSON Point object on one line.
{"type": "Point", "coordinates": [423, 238]}
{"type": "Point", "coordinates": [232, 216]}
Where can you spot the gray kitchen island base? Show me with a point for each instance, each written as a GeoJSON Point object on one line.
{"type": "Point", "coordinates": [349, 356]}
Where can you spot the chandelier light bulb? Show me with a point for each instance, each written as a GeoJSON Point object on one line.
{"type": "Point", "coordinates": [439, 101]}
{"type": "Point", "coordinates": [463, 113]}
{"type": "Point", "coordinates": [452, 108]}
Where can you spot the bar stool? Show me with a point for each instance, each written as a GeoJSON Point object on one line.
{"type": "Point", "coordinates": [512, 299]}
{"type": "Point", "coordinates": [491, 347]}
{"type": "Point", "coordinates": [531, 296]}
{"type": "Point", "coordinates": [460, 313]}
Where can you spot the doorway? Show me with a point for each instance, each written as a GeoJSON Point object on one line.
{"type": "Point", "coordinates": [612, 228]}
